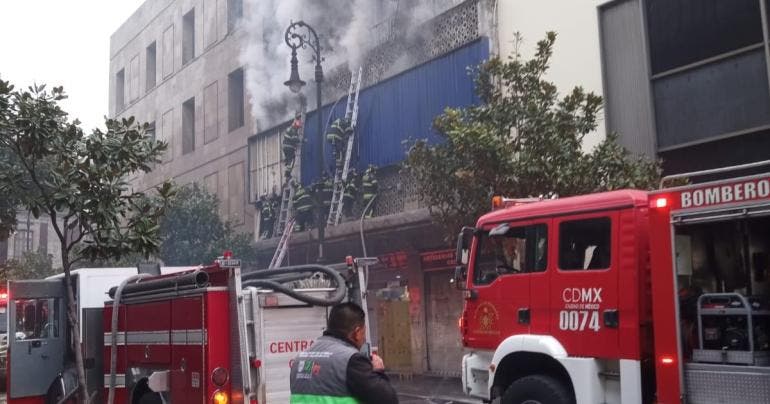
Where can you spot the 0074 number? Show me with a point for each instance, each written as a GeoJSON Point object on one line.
{"type": "Point", "coordinates": [579, 320]}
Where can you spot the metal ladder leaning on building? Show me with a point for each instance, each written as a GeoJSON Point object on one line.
{"type": "Point", "coordinates": [285, 223]}
{"type": "Point", "coordinates": [341, 173]}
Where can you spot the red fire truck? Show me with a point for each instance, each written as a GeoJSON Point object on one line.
{"type": "Point", "coordinates": [192, 335]}
{"type": "Point", "coordinates": [621, 297]}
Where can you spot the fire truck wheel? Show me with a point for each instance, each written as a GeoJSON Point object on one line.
{"type": "Point", "coordinates": [537, 389]}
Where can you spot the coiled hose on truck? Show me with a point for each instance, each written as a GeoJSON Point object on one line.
{"type": "Point", "coordinates": [276, 279]}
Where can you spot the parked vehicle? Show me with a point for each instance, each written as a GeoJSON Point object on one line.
{"type": "Point", "coordinates": [621, 297]}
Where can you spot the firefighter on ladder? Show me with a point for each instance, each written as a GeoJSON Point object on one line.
{"type": "Point", "coordinates": [323, 190]}
{"type": "Point", "coordinates": [291, 141]}
{"type": "Point", "coordinates": [369, 188]}
{"type": "Point", "coordinates": [350, 193]}
{"type": "Point", "coordinates": [266, 206]}
{"type": "Point", "coordinates": [303, 203]}
{"type": "Point", "coordinates": [338, 137]}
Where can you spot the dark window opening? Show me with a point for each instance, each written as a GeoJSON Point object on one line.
{"type": "Point", "coordinates": [120, 90]}
{"type": "Point", "coordinates": [235, 104]}
{"type": "Point", "coordinates": [234, 13]}
{"type": "Point", "coordinates": [585, 244]}
{"type": "Point", "coordinates": [188, 37]}
{"type": "Point", "coordinates": [188, 126]}
{"type": "Point", "coordinates": [686, 31]}
{"type": "Point", "coordinates": [151, 70]}
{"type": "Point", "coordinates": [510, 250]}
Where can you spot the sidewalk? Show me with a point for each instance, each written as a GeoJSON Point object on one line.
{"type": "Point", "coordinates": [431, 389]}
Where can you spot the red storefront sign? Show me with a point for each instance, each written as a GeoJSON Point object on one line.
{"type": "Point", "coordinates": [393, 260]}
{"type": "Point", "coordinates": [437, 260]}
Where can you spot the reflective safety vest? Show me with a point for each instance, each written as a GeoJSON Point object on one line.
{"type": "Point", "coordinates": [302, 201]}
{"type": "Point", "coordinates": [319, 375]}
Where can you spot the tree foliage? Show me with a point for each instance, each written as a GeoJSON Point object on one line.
{"type": "Point", "coordinates": [31, 265]}
{"type": "Point", "coordinates": [193, 233]}
{"type": "Point", "coordinates": [523, 140]}
{"type": "Point", "coordinates": [78, 180]}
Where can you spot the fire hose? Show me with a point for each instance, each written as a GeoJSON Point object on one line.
{"type": "Point", "coordinates": [276, 279]}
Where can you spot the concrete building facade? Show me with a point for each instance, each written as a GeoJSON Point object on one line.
{"type": "Point", "coordinates": [33, 235]}
{"type": "Point", "coordinates": [178, 65]}
{"type": "Point", "coordinates": [687, 81]}
{"type": "Point", "coordinates": [171, 65]}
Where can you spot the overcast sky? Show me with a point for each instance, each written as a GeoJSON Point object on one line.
{"type": "Point", "coordinates": [63, 42]}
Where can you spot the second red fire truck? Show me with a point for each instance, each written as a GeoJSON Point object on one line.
{"type": "Point", "coordinates": [190, 335]}
{"type": "Point", "coordinates": [621, 297]}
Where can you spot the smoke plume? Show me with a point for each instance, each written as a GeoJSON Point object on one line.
{"type": "Point", "coordinates": [348, 29]}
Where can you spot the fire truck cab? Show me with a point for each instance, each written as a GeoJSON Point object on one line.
{"type": "Point", "coordinates": [621, 297]}
{"type": "Point", "coordinates": [40, 363]}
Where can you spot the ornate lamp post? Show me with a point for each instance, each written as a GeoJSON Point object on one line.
{"type": "Point", "coordinates": [296, 40]}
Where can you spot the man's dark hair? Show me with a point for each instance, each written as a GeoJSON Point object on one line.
{"type": "Point", "coordinates": [345, 317]}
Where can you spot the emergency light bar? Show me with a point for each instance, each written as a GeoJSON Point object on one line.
{"type": "Point", "coordinates": [499, 202]}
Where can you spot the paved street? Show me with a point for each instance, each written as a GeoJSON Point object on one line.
{"type": "Point", "coordinates": [418, 390]}
{"type": "Point", "coordinates": [430, 390]}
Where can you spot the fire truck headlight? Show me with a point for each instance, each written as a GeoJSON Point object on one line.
{"type": "Point", "coordinates": [220, 397]}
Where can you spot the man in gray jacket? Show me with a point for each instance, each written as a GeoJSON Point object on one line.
{"type": "Point", "coordinates": [334, 371]}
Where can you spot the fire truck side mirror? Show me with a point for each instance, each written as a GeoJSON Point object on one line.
{"type": "Point", "coordinates": [461, 257]}
{"type": "Point", "coordinates": [463, 245]}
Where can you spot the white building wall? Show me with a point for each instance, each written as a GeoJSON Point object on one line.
{"type": "Point", "coordinates": [576, 60]}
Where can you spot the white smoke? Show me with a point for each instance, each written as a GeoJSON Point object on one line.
{"type": "Point", "coordinates": [347, 29]}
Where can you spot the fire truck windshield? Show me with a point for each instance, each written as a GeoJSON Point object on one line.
{"type": "Point", "coordinates": [519, 249]}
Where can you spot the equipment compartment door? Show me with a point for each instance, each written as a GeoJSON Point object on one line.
{"type": "Point", "coordinates": [584, 286]}
{"type": "Point", "coordinates": [36, 336]}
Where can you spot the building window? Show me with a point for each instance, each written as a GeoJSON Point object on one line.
{"type": "Point", "coordinates": [234, 13]}
{"type": "Point", "coordinates": [150, 131]}
{"type": "Point", "coordinates": [168, 51]}
{"type": "Point", "coordinates": [151, 70]}
{"type": "Point", "coordinates": [188, 126]}
{"type": "Point", "coordinates": [235, 104]}
{"type": "Point", "coordinates": [686, 31]}
{"type": "Point", "coordinates": [506, 250]}
{"type": "Point", "coordinates": [23, 241]}
{"type": "Point", "coordinates": [120, 90]}
{"type": "Point", "coordinates": [188, 37]}
{"type": "Point", "coordinates": [266, 175]}
{"type": "Point", "coordinates": [585, 244]}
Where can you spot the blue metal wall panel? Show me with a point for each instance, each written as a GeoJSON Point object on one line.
{"type": "Point", "coordinates": [400, 108]}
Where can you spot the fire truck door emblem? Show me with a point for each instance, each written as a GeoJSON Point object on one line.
{"type": "Point", "coordinates": [487, 318]}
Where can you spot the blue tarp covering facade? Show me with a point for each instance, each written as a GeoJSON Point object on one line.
{"type": "Point", "coordinates": [400, 108]}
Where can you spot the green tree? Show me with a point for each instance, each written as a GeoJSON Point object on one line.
{"type": "Point", "coordinates": [31, 265]}
{"type": "Point", "coordinates": [523, 140]}
{"type": "Point", "coordinates": [78, 181]}
{"type": "Point", "coordinates": [193, 233]}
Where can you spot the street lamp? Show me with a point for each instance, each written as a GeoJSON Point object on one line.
{"type": "Point", "coordinates": [297, 40]}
